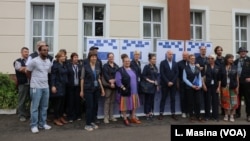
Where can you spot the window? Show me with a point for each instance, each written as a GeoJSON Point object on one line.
{"type": "Point", "coordinates": [152, 24]}
{"type": "Point", "coordinates": [43, 25]}
{"type": "Point", "coordinates": [93, 20]}
{"type": "Point", "coordinates": [241, 30]}
{"type": "Point", "coordinates": [197, 26]}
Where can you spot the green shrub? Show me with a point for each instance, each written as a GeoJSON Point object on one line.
{"type": "Point", "coordinates": [8, 92]}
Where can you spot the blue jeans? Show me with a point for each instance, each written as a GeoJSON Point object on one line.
{"type": "Point", "coordinates": [39, 105]}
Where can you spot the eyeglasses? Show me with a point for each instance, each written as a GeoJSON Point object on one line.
{"type": "Point", "coordinates": [211, 58]}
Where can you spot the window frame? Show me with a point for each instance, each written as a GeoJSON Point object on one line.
{"type": "Point", "coordinates": [152, 23]}
{"type": "Point", "coordinates": [243, 12]}
{"type": "Point", "coordinates": [43, 36]}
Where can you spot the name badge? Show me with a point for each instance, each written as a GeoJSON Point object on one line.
{"type": "Point", "coordinates": [212, 82]}
{"type": "Point", "coordinates": [95, 83]}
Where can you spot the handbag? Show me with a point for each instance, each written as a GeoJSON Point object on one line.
{"type": "Point", "coordinates": [147, 87]}
{"type": "Point", "coordinates": [104, 82]}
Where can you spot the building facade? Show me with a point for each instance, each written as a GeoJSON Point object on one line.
{"type": "Point", "coordinates": [65, 23]}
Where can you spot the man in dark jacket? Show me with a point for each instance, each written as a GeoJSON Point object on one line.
{"type": "Point", "coordinates": [243, 73]}
{"type": "Point", "coordinates": [23, 84]}
{"type": "Point", "coordinates": [168, 76]}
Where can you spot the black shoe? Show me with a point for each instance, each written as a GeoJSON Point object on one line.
{"type": "Point", "coordinates": [160, 117]}
{"type": "Point", "coordinates": [174, 117]}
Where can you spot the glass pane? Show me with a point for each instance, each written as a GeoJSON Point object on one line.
{"type": "Point", "coordinates": [191, 17]}
{"type": "Point", "coordinates": [237, 21]}
{"type": "Point", "coordinates": [198, 18]}
{"type": "Point", "coordinates": [243, 44]}
{"type": "Point", "coordinates": [99, 13]}
{"type": "Point", "coordinates": [98, 29]}
{"type": "Point", "coordinates": [37, 28]}
{"type": "Point", "coordinates": [243, 34]}
{"type": "Point", "coordinates": [50, 42]}
{"type": "Point", "coordinates": [146, 14]}
{"type": "Point", "coordinates": [49, 12]}
{"type": "Point", "coordinates": [49, 28]}
{"type": "Point", "coordinates": [88, 13]}
{"type": "Point", "coordinates": [157, 30]}
{"type": "Point", "coordinates": [146, 30]}
{"type": "Point", "coordinates": [237, 45]}
{"type": "Point", "coordinates": [87, 29]}
{"type": "Point", "coordinates": [157, 15]}
{"type": "Point", "coordinates": [198, 33]}
{"type": "Point", "coordinates": [237, 33]}
{"type": "Point", "coordinates": [35, 40]}
{"type": "Point", "coordinates": [243, 21]}
{"type": "Point", "coordinates": [37, 12]}
{"type": "Point", "coordinates": [191, 32]}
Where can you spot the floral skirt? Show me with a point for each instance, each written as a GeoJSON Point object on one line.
{"type": "Point", "coordinates": [229, 99]}
{"type": "Point", "coordinates": [129, 103]}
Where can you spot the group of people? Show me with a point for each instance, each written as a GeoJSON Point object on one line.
{"type": "Point", "coordinates": [62, 84]}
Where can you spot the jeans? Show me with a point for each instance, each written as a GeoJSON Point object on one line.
{"type": "Point", "coordinates": [39, 105]}
{"type": "Point", "coordinates": [23, 97]}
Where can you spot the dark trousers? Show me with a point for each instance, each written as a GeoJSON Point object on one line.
{"type": "Point", "coordinates": [58, 104]}
{"type": "Point", "coordinates": [91, 101]}
{"type": "Point", "coordinates": [73, 104]}
{"type": "Point", "coordinates": [242, 92]}
{"type": "Point", "coordinates": [183, 99]}
{"type": "Point", "coordinates": [164, 92]}
{"type": "Point", "coordinates": [193, 100]}
{"type": "Point", "coordinates": [211, 100]}
{"type": "Point", "coordinates": [247, 98]}
{"type": "Point", "coordinates": [149, 103]}
{"type": "Point", "coordinates": [23, 99]}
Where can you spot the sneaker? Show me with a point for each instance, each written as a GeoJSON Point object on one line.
{"type": "Point", "coordinates": [34, 130]}
{"type": "Point", "coordinates": [225, 118]}
{"type": "Point", "coordinates": [232, 118]}
{"type": "Point", "coordinates": [105, 120]}
{"type": "Point", "coordinates": [88, 128]}
{"type": "Point", "coordinates": [79, 119]}
{"type": "Point", "coordinates": [46, 127]}
{"type": "Point", "coordinates": [113, 119]}
{"type": "Point", "coordinates": [94, 125]}
{"type": "Point", "coordinates": [22, 119]}
{"type": "Point", "coordinates": [183, 115]}
{"type": "Point", "coordinates": [70, 121]}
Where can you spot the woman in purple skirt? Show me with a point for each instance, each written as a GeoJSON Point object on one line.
{"type": "Point", "coordinates": [127, 86]}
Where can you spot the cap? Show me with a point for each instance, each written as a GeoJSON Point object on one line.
{"type": "Point", "coordinates": [242, 49]}
{"type": "Point", "coordinates": [93, 48]}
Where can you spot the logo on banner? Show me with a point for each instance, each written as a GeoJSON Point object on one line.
{"type": "Point", "coordinates": [134, 43]}
{"type": "Point", "coordinates": [104, 43]}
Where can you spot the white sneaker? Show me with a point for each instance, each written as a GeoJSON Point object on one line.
{"type": "Point", "coordinates": [46, 127]}
{"type": "Point", "coordinates": [226, 118]}
{"type": "Point", "coordinates": [34, 130]}
{"type": "Point", "coordinates": [105, 120]}
{"type": "Point", "coordinates": [113, 119]}
{"type": "Point", "coordinates": [88, 128]}
{"type": "Point", "coordinates": [231, 119]}
{"type": "Point", "coordinates": [183, 115]}
{"type": "Point", "coordinates": [94, 125]}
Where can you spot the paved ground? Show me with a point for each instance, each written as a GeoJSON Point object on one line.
{"type": "Point", "coordinates": [11, 129]}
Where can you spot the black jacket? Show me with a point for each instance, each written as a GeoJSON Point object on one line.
{"type": "Point", "coordinates": [167, 74]}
